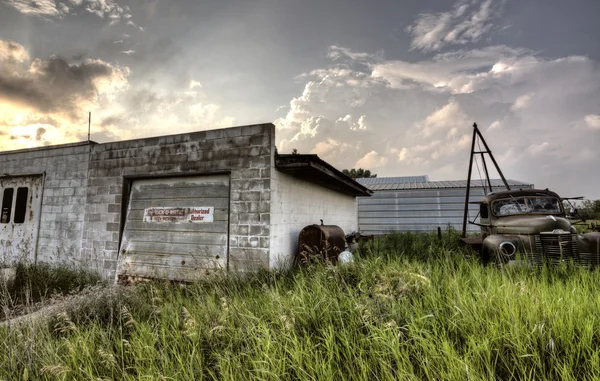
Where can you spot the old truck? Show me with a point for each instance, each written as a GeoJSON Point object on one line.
{"type": "Point", "coordinates": [531, 225]}
{"type": "Point", "coordinates": [526, 224]}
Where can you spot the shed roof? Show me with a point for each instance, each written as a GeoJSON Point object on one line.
{"type": "Point", "coordinates": [315, 170]}
{"type": "Point", "coordinates": [392, 180]}
{"type": "Point", "coordinates": [438, 184]}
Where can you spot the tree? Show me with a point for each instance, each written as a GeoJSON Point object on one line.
{"type": "Point", "coordinates": [358, 173]}
{"type": "Point", "coordinates": [589, 210]}
{"type": "Point", "coordinates": [294, 151]}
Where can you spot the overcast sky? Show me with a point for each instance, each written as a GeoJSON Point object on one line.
{"type": "Point", "coordinates": [392, 86]}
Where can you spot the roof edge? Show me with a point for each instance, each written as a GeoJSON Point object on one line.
{"type": "Point", "coordinates": [54, 146]}
{"type": "Point", "coordinates": [312, 168]}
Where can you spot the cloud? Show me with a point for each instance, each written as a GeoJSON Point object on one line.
{"type": "Point", "coordinates": [36, 7]}
{"type": "Point", "coordinates": [46, 101]}
{"type": "Point", "coordinates": [128, 52]}
{"type": "Point", "coordinates": [468, 21]}
{"type": "Point", "coordinates": [105, 9]}
{"type": "Point", "coordinates": [194, 84]}
{"type": "Point", "coordinates": [593, 121]}
{"type": "Point", "coordinates": [461, 71]}
{"type": "Point", "coordinates": [371, 160]}
{"type": "Point", "coordinates": [522, 101]}
{"type": "Point", "coordinates": [419, 114]}
{"type": "Point", "coordinates": [54, 85]}
{"type": "Point", "coordinates": [538, 149]}
{"type": "Point", "coordinates": [12, 53]}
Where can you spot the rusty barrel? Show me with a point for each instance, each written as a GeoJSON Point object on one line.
{"type": "Point", "coordinates": [320, 242]}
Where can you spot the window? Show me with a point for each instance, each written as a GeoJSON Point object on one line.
{"type": "Point", "coordinates": [6, 205]}
{"type": "Point", "coordinates": [21, 205]}
{"type": "Point", "coordinates": [524, 205]}
{"type": "Point", "coordinates": [483, 211]}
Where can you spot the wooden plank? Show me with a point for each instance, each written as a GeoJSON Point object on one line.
{"type": "Point", "coordinates": [176, 261]}
{"type": "Point", "coordinates": [217, 203]}
{"type": "Point", "coordinates": [162, 248]}
{"type": "Point", "coordinates": [179, 193]}
{"type": "Point", "coordinates": [168, 272]}
{"type": "Point", "coordinates": [199, 238]}
{"type": "Point", "coordinates": [192, 183]}
{"type": "Point", "coordinates": [209, 227]}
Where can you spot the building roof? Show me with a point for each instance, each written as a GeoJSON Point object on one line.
{"type": "Point", "coordinates": [438, 184]}
{"type": "Point", "coordinates": [312, 168]}
{"type": "Point", "coordinates": [392, 180]}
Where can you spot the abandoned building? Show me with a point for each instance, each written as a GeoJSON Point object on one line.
{"type": "Point", "coordinates": [414, 203]}
{"type": "Point", "coordinates": [171, 207]}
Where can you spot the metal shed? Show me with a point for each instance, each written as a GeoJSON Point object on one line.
{"type": "Point", "coordinates": [416, 204]}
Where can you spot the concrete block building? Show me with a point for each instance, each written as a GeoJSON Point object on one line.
{"type": "Point", "coordinates": [173, 207]}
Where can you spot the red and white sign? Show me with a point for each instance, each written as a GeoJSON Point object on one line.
{"type": "Point", "coordinates": [194, 214]}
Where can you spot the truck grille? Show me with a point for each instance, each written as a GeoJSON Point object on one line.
{"type": "Point", "coordinates": [555, 247]}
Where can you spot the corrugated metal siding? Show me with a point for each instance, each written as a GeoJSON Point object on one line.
{"type": "Point", "coordinates": [180, 249]}
{"type": "Point", "coordinates": [400, 185]}
{"type": "Point", "coordinates": [417, 209]}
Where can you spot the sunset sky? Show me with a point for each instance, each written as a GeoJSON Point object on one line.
{"type": "Point", "coordinates": [392, 86]}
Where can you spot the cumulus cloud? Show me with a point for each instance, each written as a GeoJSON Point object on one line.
{"type": "Point", "coordinates": [54, 85]}
{"type": "Point", "coordinates": [105, 9]}
{"type": "Point", "coordinates": [468, 21]}
{"type": "Point", "coordinates": [371, 160]}
{"type": "Point", "coordinates": [12, 53]}
{"type": "Point", "coordinates": [46, 101]}
{"type": "Point", "coordinates": [539, 114]}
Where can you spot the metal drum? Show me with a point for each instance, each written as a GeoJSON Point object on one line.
{"type": "Point", "coordinates": [320, 243]}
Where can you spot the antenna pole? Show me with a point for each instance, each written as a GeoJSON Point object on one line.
{"type": "Point", "coordinates": [89, 125]}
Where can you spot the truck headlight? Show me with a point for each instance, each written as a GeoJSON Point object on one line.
{"type": "Point", "coordinates": [507, 248]}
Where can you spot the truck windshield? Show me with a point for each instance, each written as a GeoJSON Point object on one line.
{"type": "Point", "coordinates": [524, 205]}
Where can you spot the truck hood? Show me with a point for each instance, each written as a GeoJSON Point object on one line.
{"type": "Point", "coordinates": [531, 224]}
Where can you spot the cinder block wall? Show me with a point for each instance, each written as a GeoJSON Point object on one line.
{"type": "Point", "coordinates": [245, 152]}
{"type": "Point", "coordinates": [296, 203]}
{"type": "Point", "coordinates": [64, 198]}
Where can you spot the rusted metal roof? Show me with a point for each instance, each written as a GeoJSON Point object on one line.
{"type": "Point", "coordinates": [312, 168]}
{"type": "Point", "coordinates": [438, 184]}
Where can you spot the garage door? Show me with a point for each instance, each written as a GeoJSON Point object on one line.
{"type": "Point", "coordinates": [176, 228]}
{"type": "Point", "coordinates": [20, 202]}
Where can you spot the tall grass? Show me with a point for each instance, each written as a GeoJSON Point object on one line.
{"type": "Point", "coordinates": [411, 307]}
{"type": "Point", "coordinates": [34, 284]}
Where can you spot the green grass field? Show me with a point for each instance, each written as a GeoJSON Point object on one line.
{"type": "Point", "coordinates": [411, 307]}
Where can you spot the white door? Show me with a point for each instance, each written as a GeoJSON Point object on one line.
{"type": "Point", "coordinates": [176, 228]}
{"type": "Point", "coordinates": [20, 207]}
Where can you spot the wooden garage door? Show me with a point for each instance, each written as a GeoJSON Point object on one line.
{"type": "Point", "coordinates": [176, 228]}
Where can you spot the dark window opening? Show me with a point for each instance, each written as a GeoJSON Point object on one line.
{"type": "Point", "coordinates": [6, 205]}
{"type": "Point", "coordinates": [483, 211]}
{"type": "Point", "coordinates": [21, 205]}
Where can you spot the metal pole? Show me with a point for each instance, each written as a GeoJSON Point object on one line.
{"type": "Point", "coordinates": [487, 175]}
{"type": "Point", "coordinates": [492, 157]}
{"type": "Point", "coordinates": [89, 125]}
{"type": "Point", "coordinates": [464, 228]}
